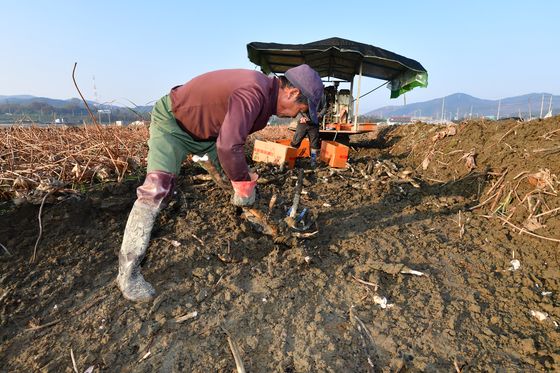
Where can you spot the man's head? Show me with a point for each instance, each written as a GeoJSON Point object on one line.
{"type": "Point", "coordinates": [301, 91]}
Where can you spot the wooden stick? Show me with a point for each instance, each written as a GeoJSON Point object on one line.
{"type": "Point", "coordinates": [498, 195]}
{"type": "Point", "coordinates": [272, 202]}
{"type": "Point", "coordinates": [507, 133]}
{"type": "Point", "coordinates": [498, 182]}
{"type": "Point", "coordinates": [435, 180]}
{"type": "Point", "coordinates": [43, 326]}
{"type": "Point", "coordinates": [235, 351]}
{"type": "Point", "coordinates": [367, 339]}
{"type": "Point", "coordinates": [83, 99]}
{"type": "Point", "coordinates": [547, 135]}
{"type": "Point", "coordinates": [40, 227]}
{"type": "Point", "coordinates": [523, 230]}
{"type": "Point", "coordinates": [262, 220]}
{"type": "Point", "coordinates": [6, 250]}
{"type": "Point", "coordinates": [375, 286]}
{"type": "Point", "coordinates": [73, 361]}
{"type": "Point", "coordinates": [547, 212]}
{"type": "Point", "coordinates": [198, 239]}
{"type": "Point", "coordinates": [90, 303]}
{"type": "Point", "coordinates": [553, 150]}
{"type": "Point", "coordinates": [456, 365]}
{"type": "Point", "coordinates": [483, 203]}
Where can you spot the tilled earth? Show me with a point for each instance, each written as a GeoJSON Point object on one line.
{"type": "Point", "coordinates": [437, 250]}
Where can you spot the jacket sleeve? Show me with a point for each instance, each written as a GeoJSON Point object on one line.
{"type": "Point", "coordinates": [244, 107]}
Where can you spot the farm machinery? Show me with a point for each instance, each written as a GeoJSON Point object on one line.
{"type": "Point", "coordinates": [339, 61]}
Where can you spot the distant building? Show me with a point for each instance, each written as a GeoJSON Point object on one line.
{"type": "Point", "coordinates": [399, 120]}
{"type": "Point", "coordinates": [422, 119]}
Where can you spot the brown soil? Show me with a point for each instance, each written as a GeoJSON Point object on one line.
{"type": "Point", "coordinates": [406, 201]}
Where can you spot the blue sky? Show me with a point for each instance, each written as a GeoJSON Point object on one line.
{"type": "Point", "coordinates": [138, 50]}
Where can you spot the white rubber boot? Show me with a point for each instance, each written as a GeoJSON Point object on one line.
{"type": "Point", "coordinates": [135, 242]}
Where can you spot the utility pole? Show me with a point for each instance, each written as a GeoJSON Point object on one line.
{"type": "Point", "coordinates": [95, 92]}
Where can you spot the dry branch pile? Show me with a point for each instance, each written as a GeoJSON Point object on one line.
{"type": "Point", "coordinates": [55, 160]}
{"type": "Point", "coordinates": [518, 162]}
{"type": "Point", "coordinates": [35, 161]}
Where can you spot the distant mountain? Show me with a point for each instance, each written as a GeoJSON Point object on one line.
{"type": "Point", "coordinates": [461, 105]}
{"type": "Point", "coordinates": [16, 97]}
{"type": "Point", "coordinates": [27, 100]}
{"type": "Point", "coordinates": [14, 109]}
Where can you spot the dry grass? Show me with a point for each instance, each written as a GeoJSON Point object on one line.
{"type": "Point", "coordinates": [45, 158]}
{"type": "Point", "coordinates": [37, 160]}
{"type": "Point", "coordinates": [271, 133]}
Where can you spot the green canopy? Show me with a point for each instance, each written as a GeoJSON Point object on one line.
{"type": "Point", "coordinates": [341, 59]}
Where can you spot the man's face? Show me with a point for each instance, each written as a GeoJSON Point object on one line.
{"type": "Point", "coordinates": [287, 106]}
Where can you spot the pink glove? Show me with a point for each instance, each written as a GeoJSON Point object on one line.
{"type": "Point", "coordinates": [244, 191]}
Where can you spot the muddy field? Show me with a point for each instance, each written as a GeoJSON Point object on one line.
{"type": "Point", "coordinates": [437, 250]}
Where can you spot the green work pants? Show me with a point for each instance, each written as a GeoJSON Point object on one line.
{"type": "Point", "coordinates": [169, 145]}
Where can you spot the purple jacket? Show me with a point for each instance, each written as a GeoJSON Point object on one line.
{"type": "Point", "coordinates": [226, 106]}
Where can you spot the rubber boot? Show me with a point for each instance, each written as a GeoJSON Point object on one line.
{"type": "Point", "coordinates": [152, 196]}
{"type": "Point", "coordinates": [314, 156]}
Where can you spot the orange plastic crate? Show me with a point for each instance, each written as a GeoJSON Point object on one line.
{"type": "Point", "coordinates": [303, 151]}
{"type": "Point", "coordinates": [275, 153]}
{"type": "Point", "coordinates": [334, 153]}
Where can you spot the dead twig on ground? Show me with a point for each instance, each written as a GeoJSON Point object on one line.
{"type": "Point", "coordinates": [483, 203]}
{"type": "Point", "coordinates": [40, 227]}
{"type": "Point", "coordinates": [498, 195]}
{"type": "Point", "coordinates": [146, 351]}
{"type": "Point", "coordinates": [523, 230]}
{"type": "Point", "coordinates": [547, 212]}
{"type": "Point", "coordinates": [366, 337]}
{"type": "Point", "coordinates": [6, 249]}
{"type": "Point", "coordinates": [373, 285]}
{"type": "Point", "coordinates": [272, 202]}
{"type": "Point", "coordinates": [550, 150]}
{"type": "Point", "coordinates": [456, 365]}
{"type": "Point", "coordinates": [198, 239]}
{"type": "Point", "coordinates": [44, 325]}
{"type": "Point", "coordinates": [90, 304]}
{"type": "Point", "coordinates": [548, 135]}
{"type": "Point", "coordinates": [508, 132]}
{"type": "Point", "coordinates": [498, 182]}
{"type": "Point", "coordinates": [73, 361]}
{"type": "Point", "coordinates": [434, 180]}
{"type": "Point", "coordinates": [188, 316]}
{"type": "Point", "coordinates": [461, 224]}
{"type": "Point", "coordinates": [235, 351]}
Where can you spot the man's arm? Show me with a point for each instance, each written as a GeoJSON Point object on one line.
{"type": "Point", "coordinates": [243, 109]}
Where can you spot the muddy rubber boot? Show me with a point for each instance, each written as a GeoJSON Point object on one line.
{"type": "Point", "coordinates": [314, 156]}
{"type": "Point", "coordinates": [135, 242]}
{"type": "Point", "coordinates": [152, 197]}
